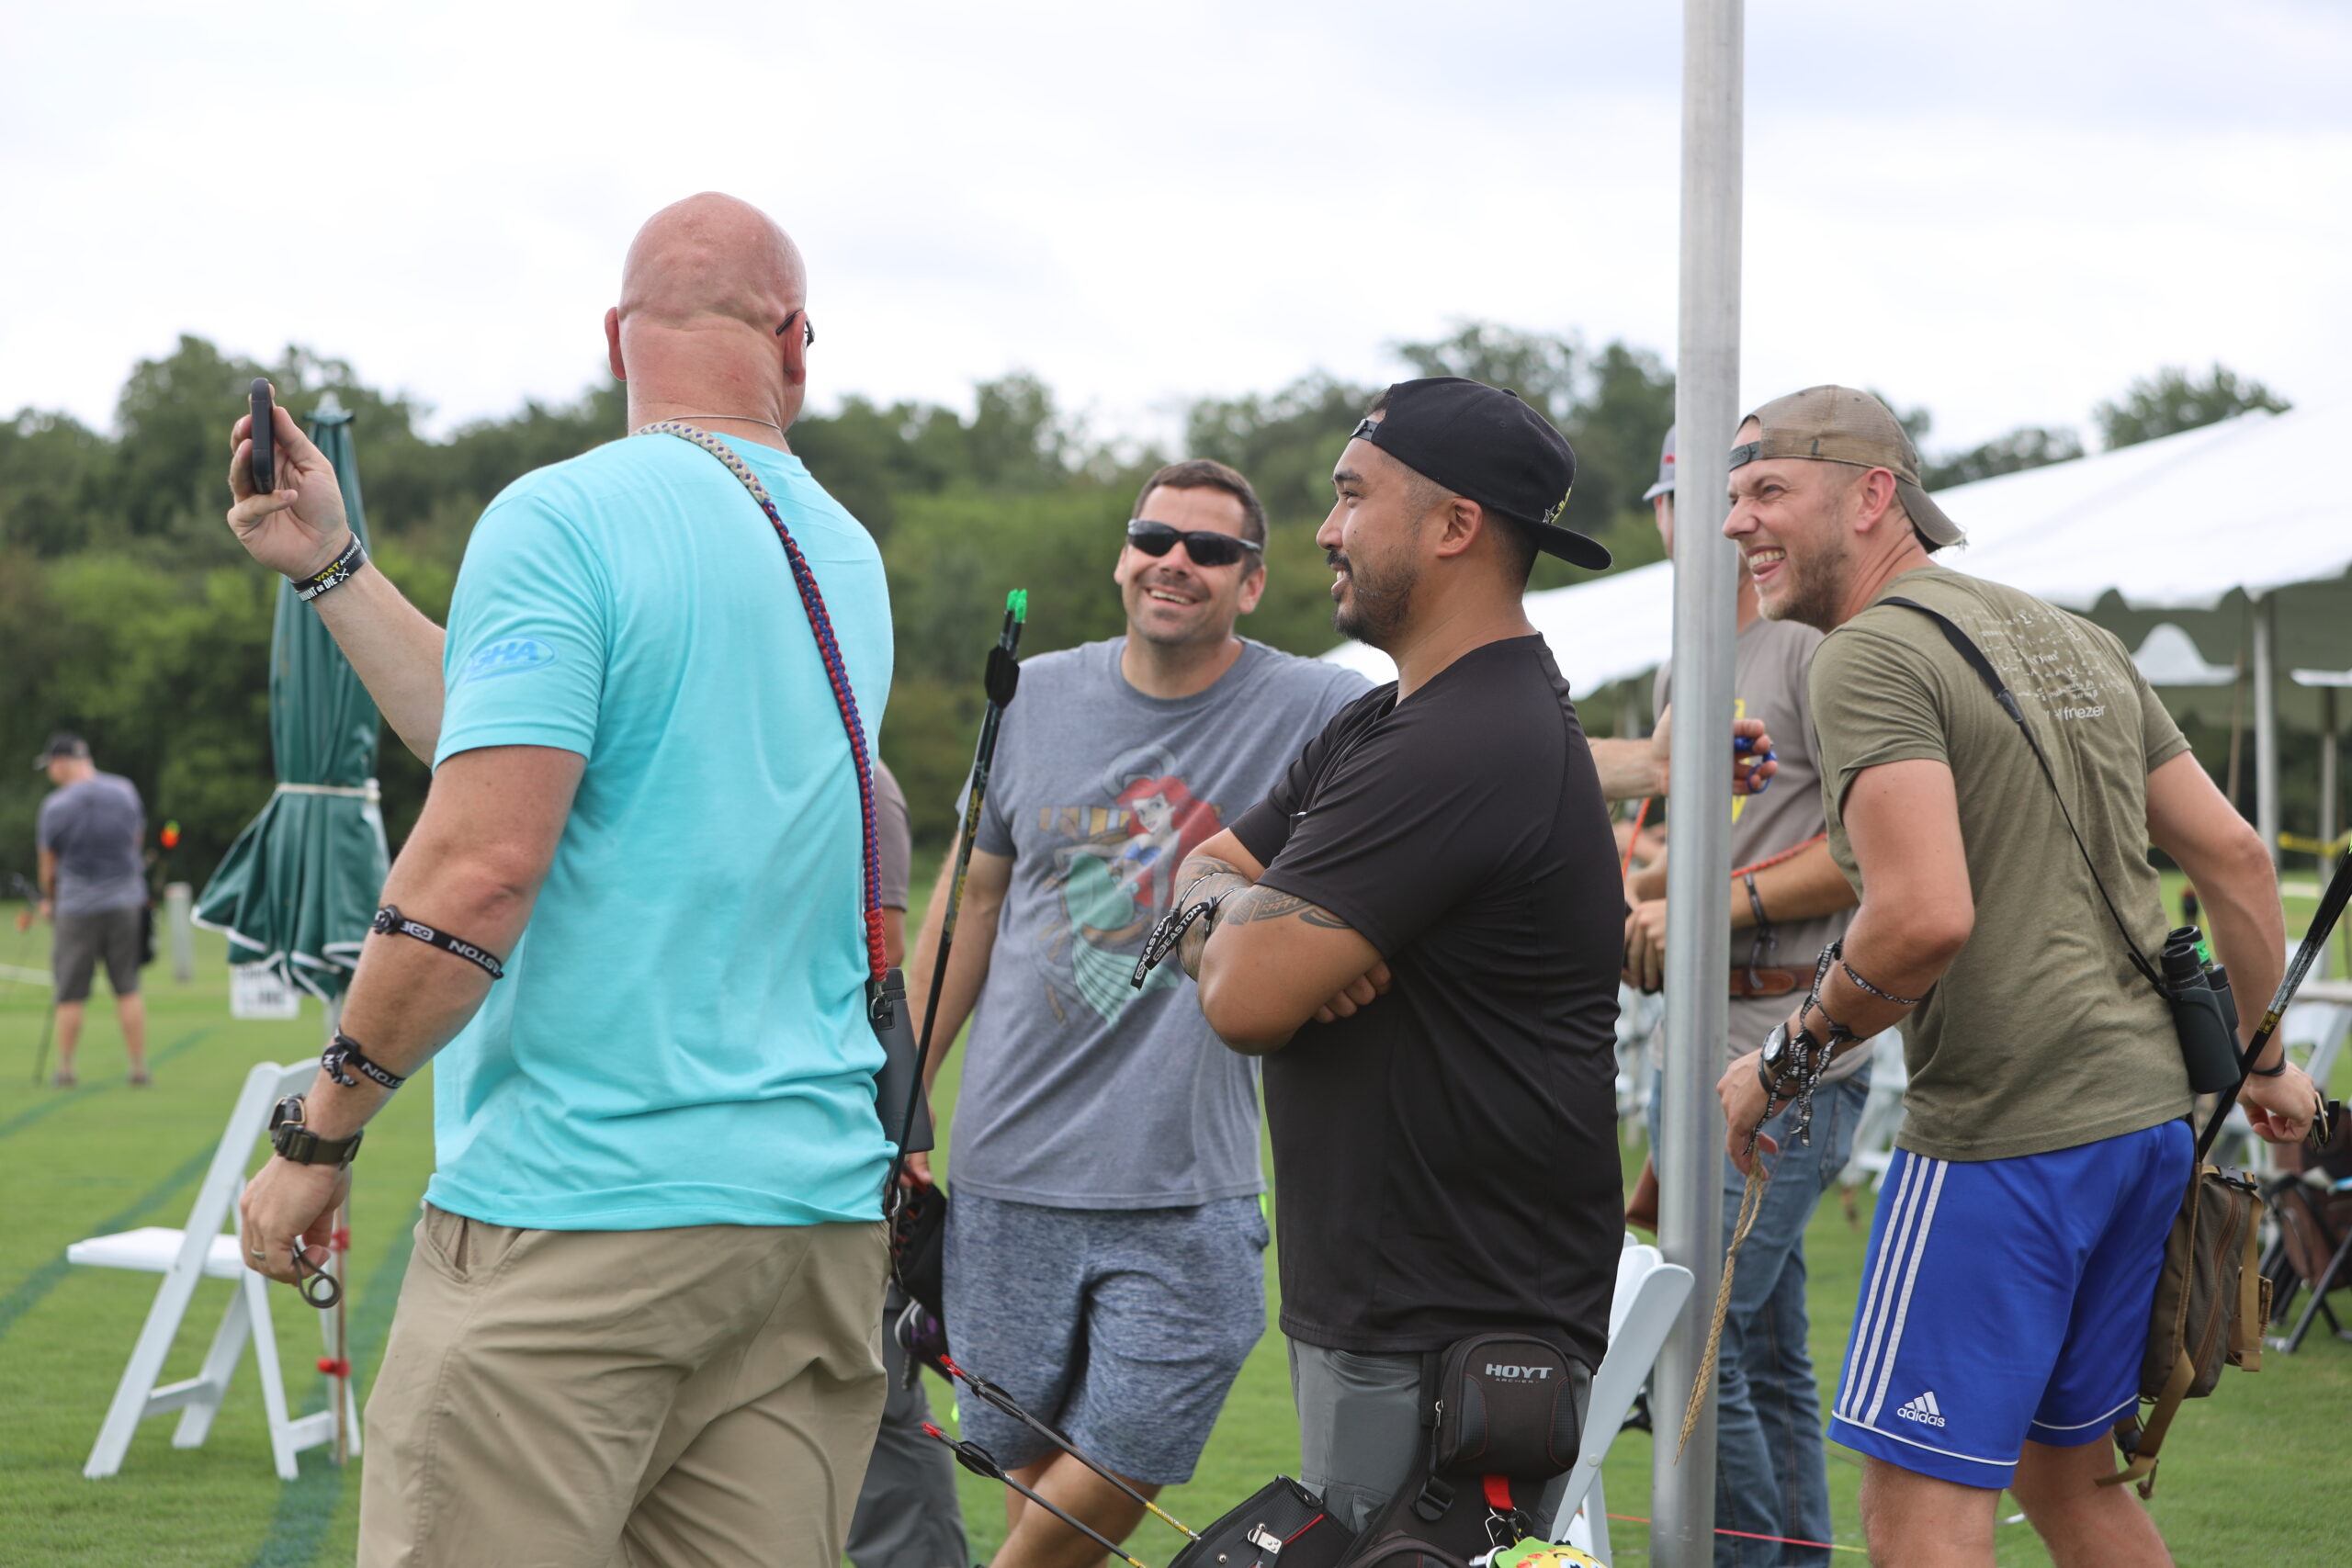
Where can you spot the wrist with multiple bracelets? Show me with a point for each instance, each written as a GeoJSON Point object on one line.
{"type": "Point", "coordinates": [337, 572]}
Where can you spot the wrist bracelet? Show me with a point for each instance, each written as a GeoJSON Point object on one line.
{"type": "Point", "coordinates": [338, 572]}
{"type": "Point", "coordinates": [2271, 1072]}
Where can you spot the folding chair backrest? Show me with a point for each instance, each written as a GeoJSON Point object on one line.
{"type": "Point", "coordinates": [225, 1179]}
{"type": "Point", "coordinates": [1642, 1312]}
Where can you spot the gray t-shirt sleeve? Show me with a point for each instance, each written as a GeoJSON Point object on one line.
{"type": "Point", "coordinates": [896, 842]}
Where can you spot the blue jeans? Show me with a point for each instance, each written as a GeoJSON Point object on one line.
{"type": "Point", "coordinates": [1771, 1468]}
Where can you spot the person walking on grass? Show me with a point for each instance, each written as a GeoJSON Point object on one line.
{"type": "Point", "coordinates": [641, 1319]}
{"type": "Point", "coordinates": [94, 892]}
{"type": "Point", "coordinates": [2013, 1259]}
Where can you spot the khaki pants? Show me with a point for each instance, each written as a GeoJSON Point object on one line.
{"type": "Point", "coordinates": [588, 1399]}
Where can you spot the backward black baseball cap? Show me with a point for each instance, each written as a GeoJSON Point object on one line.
{"type": "Point", "coordinates": [1484, 443]}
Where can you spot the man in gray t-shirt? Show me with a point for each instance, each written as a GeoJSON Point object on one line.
{"type": "Point", "coordinates": [93, 890]}
{"type": "Point", "coordinates": [1102, 1258]}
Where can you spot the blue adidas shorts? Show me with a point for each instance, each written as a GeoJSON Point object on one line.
{"type": "Point", "coordinates": [2008, 1299]}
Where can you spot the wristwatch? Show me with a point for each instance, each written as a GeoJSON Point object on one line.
{"type": "Point", "coordinates": [296, 1142]}
{"type": "Point", "coordinates": [1783, 1053]}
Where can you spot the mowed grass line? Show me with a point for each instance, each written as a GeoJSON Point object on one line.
{"type": "Point", "coordinates": [2261, 1473]}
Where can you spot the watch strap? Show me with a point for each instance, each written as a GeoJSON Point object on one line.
{"type": "Point", "coordinates": [303, 1146]}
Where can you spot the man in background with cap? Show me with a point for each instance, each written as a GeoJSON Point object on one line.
{"type": "Point", "coordinates": [2013, 1257]}
{"type": "Point", "coordinates": [93, 890]}
{"type": "Point", "coordinates": [1419, 930]}
{"type": "Point", "coordinates": [1788, 902]}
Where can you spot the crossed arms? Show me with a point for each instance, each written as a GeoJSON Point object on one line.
{"type": "Point", "coordinates": [1268, 961]}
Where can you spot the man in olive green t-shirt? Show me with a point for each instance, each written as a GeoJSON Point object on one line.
{"type": "Point", "coordinates": [2013, 1256]}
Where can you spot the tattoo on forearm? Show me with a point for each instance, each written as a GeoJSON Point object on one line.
{"type": "Point", "coordinates": [1270, 904]}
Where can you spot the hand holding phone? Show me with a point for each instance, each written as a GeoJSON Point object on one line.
{"type": "Point", "coordinates": [264, 465]}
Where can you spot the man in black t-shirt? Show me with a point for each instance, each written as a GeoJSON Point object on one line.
{"type": "Point", "coordinates": [1419, 930]}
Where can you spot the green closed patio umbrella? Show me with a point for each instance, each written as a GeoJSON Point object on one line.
{"type": "Point", "coordinates": [297, 888]}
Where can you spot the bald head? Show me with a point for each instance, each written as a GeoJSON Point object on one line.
{"type": "Point", "coordinates": [712, 258]}
{"type": "Point", "coordinates": [706, 291]}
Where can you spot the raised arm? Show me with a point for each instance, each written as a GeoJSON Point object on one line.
{"type": "Point", "coordinates": [297, 531]}
{"type": "Point", "coordinates": [1632, 769]}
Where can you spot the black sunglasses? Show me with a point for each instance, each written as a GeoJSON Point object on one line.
{"type": "Point", "coordinates": [1206, 547]}
{"type": "Point", "coordinates": [808, 329]}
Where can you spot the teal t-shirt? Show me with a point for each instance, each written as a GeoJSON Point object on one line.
{"type": "Point", "coordinates": [680, 1036]}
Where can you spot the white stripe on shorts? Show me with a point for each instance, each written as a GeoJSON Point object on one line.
{"type": "Point", "coordinates": [1910, 1278]}
{"type": "Point", "coordinates": [1861, 1357]}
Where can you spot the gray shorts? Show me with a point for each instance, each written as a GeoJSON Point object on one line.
{"type": "Point", "coordinates": [1124, 1328]}
{"type": "Point", "coordinates": [83, 940]}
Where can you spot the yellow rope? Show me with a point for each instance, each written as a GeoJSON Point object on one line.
{"type": "Point", "coordinates": [1751, 1203]}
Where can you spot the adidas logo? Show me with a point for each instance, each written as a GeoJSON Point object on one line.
{"type": "Point", "coordinates": [1923, 1410]}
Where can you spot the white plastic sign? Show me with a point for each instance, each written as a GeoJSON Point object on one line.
{"type": "Point", "coordinates": [257, 991]}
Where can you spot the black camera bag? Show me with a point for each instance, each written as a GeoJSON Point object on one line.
{"type": "Point", "coordinates": [1282, 1525]}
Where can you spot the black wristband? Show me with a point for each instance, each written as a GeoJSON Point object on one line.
{"type": "Point", "coordinates": [2271, 1072]}
{"type": "Point", "coordinates": [343, 1051]}
{"type": "Point", "coordinates": [390, 921]}
{"type": "Point", "coordinates": [338, 572]}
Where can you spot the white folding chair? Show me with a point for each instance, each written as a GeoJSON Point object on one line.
{"type": "Point", "coordinates": [183, 1257]}
{"type": "Point", "coordinates": [1649, 1297]}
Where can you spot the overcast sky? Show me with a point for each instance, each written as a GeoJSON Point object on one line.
{"type": "Point", "coordinates": [2004, 209]}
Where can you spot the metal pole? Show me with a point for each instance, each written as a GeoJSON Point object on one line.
{"type": "Point", "coordinates": [1697, 933]}
{"type": "Point", "coordinates": [177, 901]}
{"type": "Point", "coordinates": [2265, 723]}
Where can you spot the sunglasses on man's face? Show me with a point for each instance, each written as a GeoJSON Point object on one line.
{"type": "Point", "coordinates": [1207, 546]}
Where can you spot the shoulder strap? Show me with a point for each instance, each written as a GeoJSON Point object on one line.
{"type": "Point", "coordinates": [1975, 655]}
{"type": "Point", "coordinates": [829, 649]}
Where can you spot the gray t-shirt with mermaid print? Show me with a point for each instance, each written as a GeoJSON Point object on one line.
{"type": "Point", "coordinates": [1080, 1092]}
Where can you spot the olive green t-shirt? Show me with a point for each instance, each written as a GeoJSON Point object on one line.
{"type": "Point", "coordinates": [2041, 1035]}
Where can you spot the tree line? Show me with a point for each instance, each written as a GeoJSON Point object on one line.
{"type": "Point", "coordinates": [129, 615]}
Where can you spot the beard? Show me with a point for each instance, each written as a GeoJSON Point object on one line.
{"type": "Point", "coordinates": [1378, 606]}
{"type": "Point", "coordinates": [1816, 587]}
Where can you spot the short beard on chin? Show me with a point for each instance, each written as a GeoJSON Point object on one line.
{"type": "Point", "coordinates": [1816, 592]}
{"type": "Point", "coordinates": [1377, 607]}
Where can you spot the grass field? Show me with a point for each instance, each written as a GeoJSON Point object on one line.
{"type": "Point", "coordinates": [2259, 1475]}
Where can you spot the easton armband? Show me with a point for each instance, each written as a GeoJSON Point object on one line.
{"type": "Point", "coordinates": [343, 1052]}
{"type": "Point", "coordinates": [390, 921]}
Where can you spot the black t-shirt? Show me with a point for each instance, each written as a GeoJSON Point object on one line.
{"type": "Point", "coordinates": [1445, 1161]}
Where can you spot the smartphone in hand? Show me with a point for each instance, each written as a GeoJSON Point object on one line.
{"type": "Point", "coordinates": [264, 464]}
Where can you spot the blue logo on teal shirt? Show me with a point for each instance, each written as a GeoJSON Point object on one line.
{"type": "Point", "coordinates": [510, 655]}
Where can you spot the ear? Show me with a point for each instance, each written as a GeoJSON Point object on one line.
{"type": "Point", "coordinates": [1460, 522]}
{"type": "Point", "coordinates": [795, 352]}
{"type": "Point", "coordinates": [613, 344]}
{"type": "Point", "coordinates": [1253, 587]}
{"type": "Point", "coordinates": [1873, 497]}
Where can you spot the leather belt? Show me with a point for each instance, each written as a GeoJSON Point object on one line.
{"type": "Point", "coordinates": [1762, 982]}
